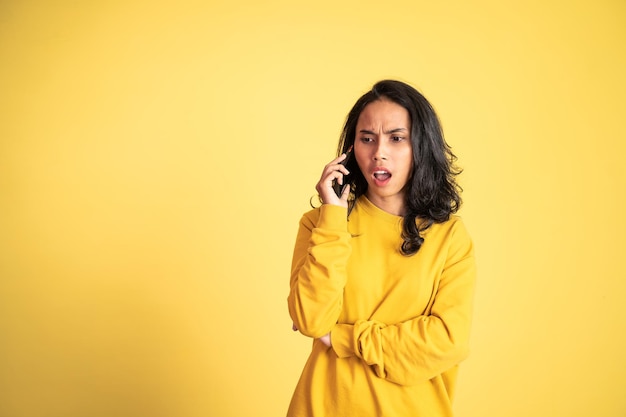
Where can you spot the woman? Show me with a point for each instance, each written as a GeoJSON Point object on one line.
{"type": "Point", "coordinates": [383, 274]}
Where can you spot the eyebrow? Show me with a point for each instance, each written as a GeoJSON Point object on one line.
{"type": "Point", "coordinates": [388, 132]}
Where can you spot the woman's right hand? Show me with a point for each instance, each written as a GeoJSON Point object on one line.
{"type": "Point", "coordinates": [334, 170]}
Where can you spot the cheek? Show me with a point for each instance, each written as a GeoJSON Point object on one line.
{"type": "Point", "coordinates": [360, 156]}
{"type": "Point", "coordinates": [408, 162]}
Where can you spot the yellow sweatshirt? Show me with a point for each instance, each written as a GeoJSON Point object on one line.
{"type": "Point", "coordinates": [399, 325]}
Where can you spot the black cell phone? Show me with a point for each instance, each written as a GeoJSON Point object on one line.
{"type": "Point", "coordinates": [346, 178]}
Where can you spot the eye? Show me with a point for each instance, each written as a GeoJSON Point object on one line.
{"type": "Point", "coordinates": [366, 139]}
{"type": "Point", "coordinates": [397, 138]}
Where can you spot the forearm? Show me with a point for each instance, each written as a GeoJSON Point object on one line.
{"type": "Point", "coordinates": [406, 353]}
{"type": "Point", "coordinates": [314, 306]}
{"type": "Point", "coordinates": [319, 271]}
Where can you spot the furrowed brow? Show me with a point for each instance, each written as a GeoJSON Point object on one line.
{"type": "Point", "coordinates": [367, 132]}
{"type": "Point", "coordinates": [396, 130]}
{"type": "Point", "coordinates": [388, 132]}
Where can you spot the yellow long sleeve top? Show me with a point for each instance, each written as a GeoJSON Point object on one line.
{"type": "Point", "coordinates": [399, 325]}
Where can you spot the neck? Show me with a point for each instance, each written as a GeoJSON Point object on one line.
{"type": "Point", "coordinates": [392, 205]}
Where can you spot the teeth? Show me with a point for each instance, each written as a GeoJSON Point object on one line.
{"type": "Point", "coordinates": [382, 174]}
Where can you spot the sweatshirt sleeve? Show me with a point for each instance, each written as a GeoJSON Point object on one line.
{"type": "Point", "coordinates": [318, 271]}
{"type": "Point", "coordinates": [419, 349]}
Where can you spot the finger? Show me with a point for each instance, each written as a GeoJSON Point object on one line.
{"type": "Point", "coordinates": [338, 160]}
{"type": "Point", "coordinates": [327, 180]}
{"type": "Point", "coordinates": [332, 176]}
{"type": "Point", "coordinates": [336, 171]}
{"type": "Point", "coordinates": [335, 167]}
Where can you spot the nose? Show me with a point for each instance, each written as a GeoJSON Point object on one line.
{"type": "Point", "coordinates": [380, 153]}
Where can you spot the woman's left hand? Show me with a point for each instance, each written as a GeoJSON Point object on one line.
{"type": "Point", "coordinates": [326, 340]}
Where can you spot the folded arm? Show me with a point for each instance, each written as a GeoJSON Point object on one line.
{"type": "Point", "coordinates": [318, 273]}
{"type": "Point", "coordinates": [416, 350]}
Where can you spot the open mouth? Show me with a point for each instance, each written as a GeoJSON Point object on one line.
{"type": "Point", "coordinates": [382, 175]}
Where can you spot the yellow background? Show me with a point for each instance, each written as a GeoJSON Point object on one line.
{"type": "Point", "coordinates": [155, 158]}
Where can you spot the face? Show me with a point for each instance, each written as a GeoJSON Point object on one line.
{"type": "Point", "coordinates": [383, 151]}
